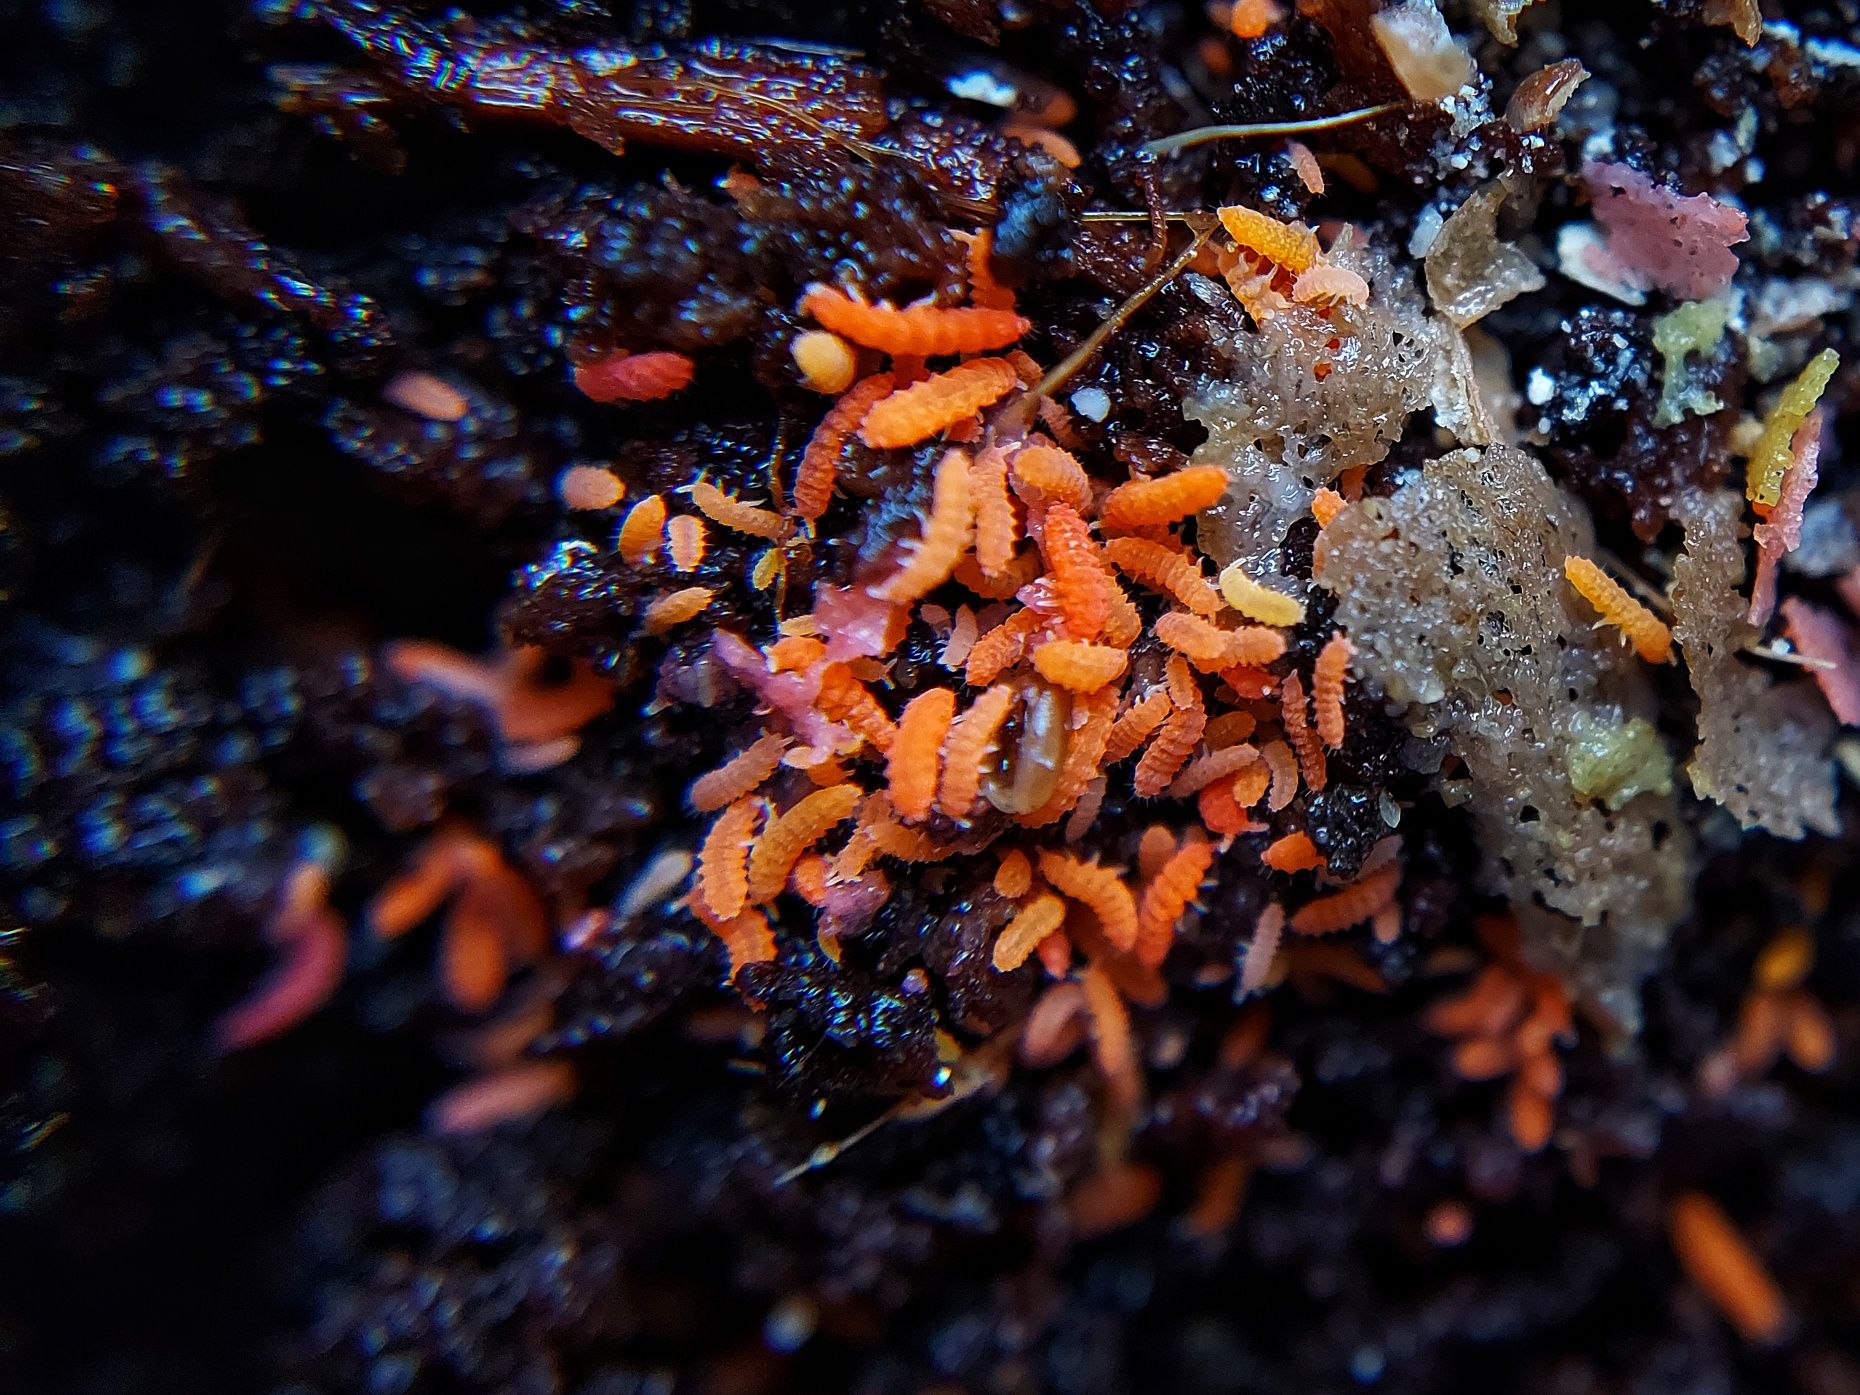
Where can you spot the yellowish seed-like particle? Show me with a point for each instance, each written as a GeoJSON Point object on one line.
{"type": "Point", "coordinates": [827, 362]}
{"type": "Point", "coordinates": [1259, 603]}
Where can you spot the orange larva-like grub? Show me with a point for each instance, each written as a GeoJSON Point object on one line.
{"type": "Point", "coordinates": [684, 541]}
{"type": "Point", "coordinates": [1651, 639]}
{"type": "Point", "coordinates": [1054, 1029]}
{"type": "Point", "coordinates": [945, 537]}
{"type": "Point", "coordinates": [1326, 504]}
{"type": "Point", "coordinates": [1022, 568]}
{"type": "Point", "coordinates": [723, 861]}
{"type": "Point", "coordinates": [1531, 1113]}
{"type": "Point", "coordinates": [1180, 734]}
{"type": "Point", "coordinates": [1001, 648]}
{"type": "Point", "coordinates": [1081, 585]}
{"type": "Point", "coordinates": [748, 939]}
{"type": "Point", "coordinates": [820, 462]}
{"type": "Point", "coordinates": [1047, 472]}
{"type": "Point", "coordinates": [1122, 622]}
{"type": "Point", "coordinates": [1330, 285]}
{"type": "Point", "coordinates": [623, 377]}
{"type": "Point", "coordinates": [1184, 691]}
{"type": "Point", "coordinates": [1137, 724]}
{"type": "Point", "coordinates": [1220, 810]}
{"type": "Point", "coordinates": [792, 833]}
{"type": "Point", "coordinates": [1059, 423]}
{"type": "Point", "coordinates": [1097, 888]}
{"type": "Point", "coordinates": [1328, 675]}
{"type": "Point", "coordinates": [1166, 896]}
{"type": "Point", "coordinates": [1283, 766]}
{"type": "Point", "coordinates": [963, 432]}
{"type": "Point", "coordinates": [1216, 765]}
{"type": "Point", "coordinates": [1250, 19]}
{"type": "Point", "coordinates": [1055, 953]}
{"type": "Point", "coordinates": [1165, 499]}
{"type": "Point", "coordinates": [313, 945]}
{"type": "Point", "coordinates": [1249, 783]}
{"type": "Point", "coordinates": [426, 395]}
{"type": "Point", "coordinates": [771, 565]}
{"type": "Point", "coordinates": [1719, 1260]}
{"type": "Point", "coordinates": [730, 512]}
{"type": "Point", "coordinates": [1350, 905]}
{"type": "Point", "coordinates": [1203, 643]}
{"type": "Point", "coordinates": [1264, 948]}
{"type": "Point", "coordinates": [742, 774]}
{"type": "Point", "coordinates": [1022, 935]}
{"type": "Point", "coordinates": [1249, 683]}
{"type": "Point", "coordinates": [1014, 876]}
{"type": "Point", "coordinates": [1253, 646]}
{"type": "Point", "coordinates": [984, 290]}
{"type": "Point", "coordinates": [473, 965]}
{"type": "Point", "coordinates": [926, 331]}
{"type": "Point", "coordinates": [1295, 852]}
{"type": "Point", "coordinates": [1304, 741]}
{"type": "Point", "coordinates": [642, 530]}
{"type": "Point", "coordinates": [1785, 961]}
{"type": "Point", "coordinates": [997, 530]}
{"type": "Point", "coordinates": [1492, 1006]}
{"type": "Point", "coordinates": [1290, 245]}
{"type": "Point", "coordinates": [1310, 173]}
{"type": "Point", "coordinates": [825, 361]}
{"type": "Point", "coordinates": [496, 919]}
{"type": "Point", "coordinates": [843, 698]}
{"type": "Point", "coordinates": [421, 887]}
{"type": "Point", "coordinates": [504, 1095]}
{"type": "Point", "coordinates": [1253, 283]}
{"type": "Point", "coordinates": [675, 608]}
{"type": "Point", "coordinates": [963, 632]}
{"type": "Point", "coordinates": [1212, 649]}
{"type": "Point", "coordinates": [1228, 728]}
{"type": "Point", "coordinates": [1257, 602]}
{"type": "Point", "coordinates": [1109, 1025]}
{"type": "Point", "coordinates": [911, 763]}
{"type": "Point", "coordinates": [1030, 373]}
{"type": "Point", "coordinates": [1222, 1187]}
{"type": "Point", "coordinates": [1079, 666]}
{"type": "Point", "coordinates": [1154, 848]}
{"type": "Point", "coordinates": [1163, 569]}
{"type": "Point", "coordinates": [918, 412]}
{"type": "Point", "coordinates": [589, 487]}
{"type": "Point", "coordinates": [967, 748]}
{"type": "Point", "coordinates": [823, 772]}
{"type": "Point", "coordinates": [894, 839]}
{"type": "Point", "coordinates": [1085, 813]}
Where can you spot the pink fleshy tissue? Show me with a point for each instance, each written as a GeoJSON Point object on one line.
{"type": "Point", "coordinates": [1655, 237]}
